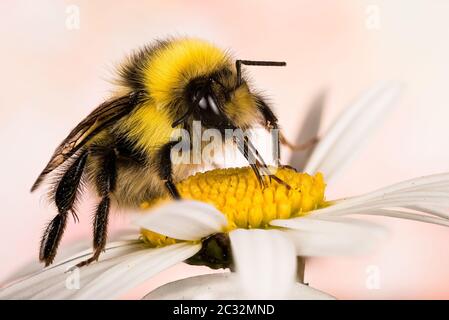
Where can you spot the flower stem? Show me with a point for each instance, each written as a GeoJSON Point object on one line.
{"type": "Point", "coordinates": [301, 265]}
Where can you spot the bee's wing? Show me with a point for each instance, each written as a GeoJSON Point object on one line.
{"type": "Point", "coordinates": [103, 116]}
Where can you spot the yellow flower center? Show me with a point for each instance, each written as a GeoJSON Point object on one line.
{"type": "Point", "coordinates": [237, 193]}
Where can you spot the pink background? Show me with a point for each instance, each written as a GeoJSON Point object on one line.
{"type": "Point", "coordinates": [51, 77]}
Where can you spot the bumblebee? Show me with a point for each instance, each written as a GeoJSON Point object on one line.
{"type": "Point", "coordinates": [123, 147]}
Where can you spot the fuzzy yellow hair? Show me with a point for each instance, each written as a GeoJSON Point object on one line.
{"type": "Point", "coordinates": [167, 71]}
{"type": "Point", "coordinates": [172, 66]}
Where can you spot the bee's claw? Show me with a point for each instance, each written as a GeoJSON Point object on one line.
{"type": "Point", "coordinates": [280, 181]}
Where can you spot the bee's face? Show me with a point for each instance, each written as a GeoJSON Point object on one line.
{"type": "Point", "coordinates": [218, 101]}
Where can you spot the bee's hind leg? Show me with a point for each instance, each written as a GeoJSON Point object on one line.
{"type": "Point", "coordinates": [106, 182]}
{"type": "Point", "coordinates": [65, 196]}
{"type": "Point", "coordinates": [166, 169]}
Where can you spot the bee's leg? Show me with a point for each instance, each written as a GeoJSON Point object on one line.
{"type": "Point", "coordinates": [271, 123]}
{"type": "Point", "coordinates": [250, 157]}
{"type": "Point", "coordinates": [65, 196]}
{"type": "Point", "coordinates": [298, 147]}
{"type": "Point", "coordinates": [166, 170]}
{"type": "Point", "coordinates": [256, 161]}
{"type": "Point", "coordinates": [106, 182]}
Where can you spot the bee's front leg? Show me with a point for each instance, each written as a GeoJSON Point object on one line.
{"type": "Point", "coordinates": [166, 169]}
{"type": "Point", "coordinates": [270, 122]}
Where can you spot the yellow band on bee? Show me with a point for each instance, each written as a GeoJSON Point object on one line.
{"type": "Point", "coordinates": [172, 66]}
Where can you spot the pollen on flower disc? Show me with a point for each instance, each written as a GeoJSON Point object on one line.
{"type": "Point", "coordinates": [236, 192]}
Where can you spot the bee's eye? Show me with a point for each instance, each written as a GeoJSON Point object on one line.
{"type": "Point", "coordinates": [203, 103]}
{"type": "Point", "coordinates": [208, 103]}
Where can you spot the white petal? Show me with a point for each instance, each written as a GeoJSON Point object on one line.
{"type": "Point", "coordinates": [431, 209]}
{"type": "Point", "coordinates": [435, 184]}
{"type": "Point", "coordinates": [408, 216]}
{"type": "Point", "coordinates": [331, 236]}
{"type": "Point", "coordinates": [66, 285]}
{"type": "Point", "coordinates": [265, 262]}
{"type": "Point", "coordinates": [78, 247]}
{"type": "Point", "coordinates": [35, 265]}
{"type": "Point", "coordinates": [351, 130]}
{"type": "Point", "coordinates": [222, 286]}
{"type": "Point", "coordinates": [56, 274]}
{"type": "Point", "coordinates": [428, 194]}
{"type": "Point", "coordinates": [134, 270]}
{"type": "Point", "coordinates": [326, 224]}
{"type": "Point", "coordinates": [184, 220]}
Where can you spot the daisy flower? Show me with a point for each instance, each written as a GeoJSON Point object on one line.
{"type": "Point", "coordinates": [227, 221]}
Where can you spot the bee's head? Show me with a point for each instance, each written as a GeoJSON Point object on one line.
{"type": "Point", "coordinates": [220, 101]}
{"type": "Point", "coordinates": [223, 99]}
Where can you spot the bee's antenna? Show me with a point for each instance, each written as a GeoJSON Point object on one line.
{"type": "Point", "coordinates": [238, 66]}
